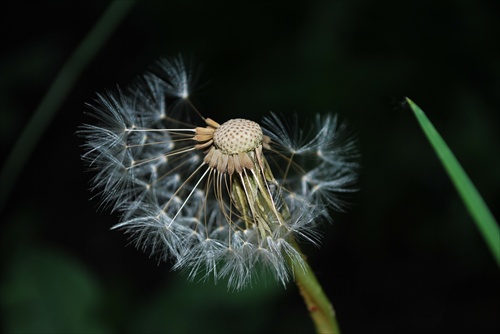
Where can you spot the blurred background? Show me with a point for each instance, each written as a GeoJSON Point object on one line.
{"type": "Point", "coordinates": [407, 258]}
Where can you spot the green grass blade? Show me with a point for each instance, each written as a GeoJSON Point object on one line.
{"type": "Point", "coordinates": [473, 201]}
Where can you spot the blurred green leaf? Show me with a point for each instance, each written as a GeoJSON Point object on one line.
{"type": "Point", "coordinates": [196, 307]}
{"type": "Point", "coordinates": [47, 292]}
{"type": "Point", "coordinates": [473, 201]}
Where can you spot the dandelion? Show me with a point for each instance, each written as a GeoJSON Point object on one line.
{"type": "Point", "coordinates": [218, 199]}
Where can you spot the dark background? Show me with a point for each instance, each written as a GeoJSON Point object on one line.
{"type": "Point", "coordinates": [407, 258]}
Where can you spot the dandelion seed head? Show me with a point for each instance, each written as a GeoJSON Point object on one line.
{"type": "Point", "coordinates": [218, 200]}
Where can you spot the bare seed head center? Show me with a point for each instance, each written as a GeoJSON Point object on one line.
{"type": "Point", "coordinates": [233, 146]}
{"type": "Point", "coordinates": [238, 136]}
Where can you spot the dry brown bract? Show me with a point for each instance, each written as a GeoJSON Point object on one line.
{"type": "Point", "coordinates": [236, 146]}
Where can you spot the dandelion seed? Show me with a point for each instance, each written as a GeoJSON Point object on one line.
{"type": "Point", "coordinates": [206, 196]}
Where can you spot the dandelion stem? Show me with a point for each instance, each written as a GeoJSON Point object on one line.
{"type": "Point", "coordinates": [320, 308]}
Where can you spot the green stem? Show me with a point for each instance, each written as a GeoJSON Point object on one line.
{"type": "Point", "coordinates": [56, 93]}
{"type": "Point", "coordinates": [320, 308]}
